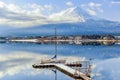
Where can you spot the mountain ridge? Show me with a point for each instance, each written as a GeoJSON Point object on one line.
{"type": "Point", "coordinates": [91, 25]}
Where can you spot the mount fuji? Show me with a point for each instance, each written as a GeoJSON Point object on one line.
{"type": "Point", "coordinates": [72, 21]}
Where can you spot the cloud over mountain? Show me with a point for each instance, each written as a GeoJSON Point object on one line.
{"type": "Point", "coordinates": [92, 8]}
{"type": "Point", "coordinates": [14, 15]}
{"type": "Point", "coordinates": [33, 14]}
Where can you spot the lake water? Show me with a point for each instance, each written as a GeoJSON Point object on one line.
{"type": "Point", "coordinates": [16, 60]}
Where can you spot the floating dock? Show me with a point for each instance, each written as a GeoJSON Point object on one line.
{"type": "Point", "coordinates": [66, 69]}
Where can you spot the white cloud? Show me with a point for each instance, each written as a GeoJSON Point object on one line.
{"type": "Point", "coordinates": [115, 2]}
{"type": "Point", "coordinates": [69, 3]}
{"type": "Point", "coordinates": [17, 62]}
{"type": "Point", "coordinates": [92, 8]}
{"type": "Point", "coordinates": [14, 15]}
{"type": "Point", "coordinates": [92, 4]}
{"type": "Point", "coordinates": [48, 7]}
{"type": "Point", "coordinates": [91, 12]}
{"type": "Point", "coordinates": [32, 14]}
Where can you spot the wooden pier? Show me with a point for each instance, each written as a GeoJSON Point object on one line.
{"type": "Point", "coordinates": [66, 69]}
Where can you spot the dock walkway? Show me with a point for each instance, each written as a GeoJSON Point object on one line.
{"type": "Point", "coordinates": [65, 69]}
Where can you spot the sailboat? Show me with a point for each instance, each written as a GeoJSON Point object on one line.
{"type": "Point", "coordinates": [54, 58]}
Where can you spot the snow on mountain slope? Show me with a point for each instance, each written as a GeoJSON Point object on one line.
{"type": "Point", "coordinates": [75, 14]}
{"type": "Point", "coordinates": [68, 15]}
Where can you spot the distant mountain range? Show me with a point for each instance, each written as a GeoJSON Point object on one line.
{"type": "Point", "coordinates": [80, 22]}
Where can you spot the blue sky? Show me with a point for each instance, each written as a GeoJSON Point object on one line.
{"type": "Point", "coordinates": [24, 12]}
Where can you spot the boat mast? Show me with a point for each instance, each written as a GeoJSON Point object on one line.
{"type": "Point", "coordinates": [56, 43]}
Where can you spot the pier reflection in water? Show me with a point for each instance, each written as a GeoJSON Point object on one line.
{"type": "Point", "coordinates": [76, 70]}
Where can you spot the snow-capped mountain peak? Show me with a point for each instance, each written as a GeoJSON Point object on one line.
{"type": "Point", "coordinates": [74, 14]}
{"type": "Point", "coordinates": [69, 15]}
{"type": "Point", "coordinates": [79, 11]}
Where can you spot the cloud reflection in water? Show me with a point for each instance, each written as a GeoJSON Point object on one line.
{"type": "Point", "coordinates": [19, 62]}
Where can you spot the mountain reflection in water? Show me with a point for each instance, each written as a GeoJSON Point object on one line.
{"type": "Point", "coordinates": [16, 59]}
{"type": "Point", "coordinates": [83, 43]}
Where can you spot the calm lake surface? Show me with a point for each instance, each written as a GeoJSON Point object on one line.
{"type": "Point", "coordinates": [16, 60]}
